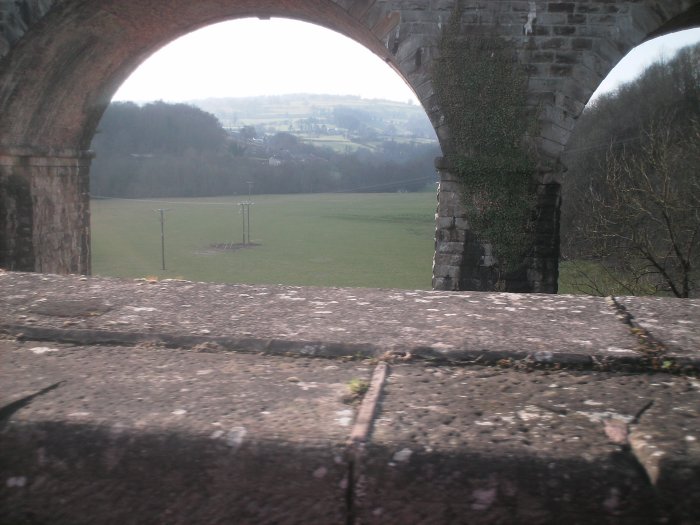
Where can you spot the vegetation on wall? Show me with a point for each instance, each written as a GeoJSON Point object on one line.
{"type": "Point", "coordinates": [481, 90]}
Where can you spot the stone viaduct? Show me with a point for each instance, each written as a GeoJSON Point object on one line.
{"type": "Point", "coordinates": [63, 60]}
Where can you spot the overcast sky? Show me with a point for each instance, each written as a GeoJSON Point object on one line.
{"type": "Point", "coordinates": [246, 58]}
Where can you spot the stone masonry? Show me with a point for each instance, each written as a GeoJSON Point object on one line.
{"type": "Point", "coordinates": [145, 402]}
{"type": "Point", "coordinates": [63, 62]}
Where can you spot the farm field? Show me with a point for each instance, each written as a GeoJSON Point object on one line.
{"type": "Point", "coordinates": [312, 119]}
{"type": "Point", "coordinates": [379, 240]}
{"type": "Point", "coordinates": [372, 240]}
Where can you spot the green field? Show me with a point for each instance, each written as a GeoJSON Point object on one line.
{"type": "Point", "coordinates": [592, 278]}
{"type": "Point", "coordinates": [374, 240]}
{"type": "Point", "coordinates": [379, 240]}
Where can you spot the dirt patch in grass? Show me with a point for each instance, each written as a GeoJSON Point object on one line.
{"type": "Point", "coordinates": [231, 246]}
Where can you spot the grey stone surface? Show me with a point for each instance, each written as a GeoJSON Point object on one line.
{"type": "Point", "coordinates": [155, 435]}
{"type": "Point", "coordinates": [673, 322]}
{"type": "Point", "coordinates": [180, 428]}
{"type": "Point", "coordinates": [145, 434]}
{"type": "Point", "coordinates": [489, 445]}
{"type": "Point", "coordinates": [443, 326]}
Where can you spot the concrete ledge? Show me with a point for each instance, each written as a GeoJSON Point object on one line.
{"type": "Point", "coordinates": [157, 435]}
{"type": "Point", "coordinates": [149, 435]}
{"type": "Point", "coordinates": [216, 412]}
{"type": "Point", "coordinates": [346, 322]}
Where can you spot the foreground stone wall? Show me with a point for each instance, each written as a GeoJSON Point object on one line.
{"type": "Point", "coordinates": [64, 61]}
{"type": "Point", "coordinates": [134, 401]}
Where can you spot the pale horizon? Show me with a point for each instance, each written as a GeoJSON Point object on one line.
{"type": "Point", "coordinates": [243, 58]}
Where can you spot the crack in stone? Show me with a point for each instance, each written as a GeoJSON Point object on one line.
{"type": "Point", "coordinates": [650, 345]}
{"type": "Point", "coordinates": [359, 436]}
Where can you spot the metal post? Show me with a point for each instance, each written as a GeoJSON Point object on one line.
{"type": "Point", "coordinates": [250, 192]}
{"type": "Point", "coordinates": [245, 213]}
{"type": "Point", "coordinates": [162, 235]}
{"type": "Point", "coordinates": [242, 215]}
{"type": "Point", "coordinates": [162, 238]}
{"type": "Point", "coordinates": [248, 215]}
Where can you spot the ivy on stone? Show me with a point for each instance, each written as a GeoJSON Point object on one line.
{"type": "Point", "coordinates": [482, 92]}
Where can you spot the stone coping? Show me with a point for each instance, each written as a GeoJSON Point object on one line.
{"type": "Point", "coordinates": [179, 402]}
{"type": "Point", "coordinates": [452, 327]}
{"type": "Point", "coordinates": [146, 434]}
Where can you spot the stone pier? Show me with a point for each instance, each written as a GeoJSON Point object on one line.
{"type": "Point", "coordinates": [45, 214]}
{"type": "Point", "coordinates": [464, 262]}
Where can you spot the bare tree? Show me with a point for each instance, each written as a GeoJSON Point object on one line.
{"type": "Point", "coordinates": [643, 216]}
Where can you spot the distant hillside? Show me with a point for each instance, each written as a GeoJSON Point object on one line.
{"type": "Point", "coordinates": [339, 122]}
{"type": "Point", "coordinates": [179, 150]}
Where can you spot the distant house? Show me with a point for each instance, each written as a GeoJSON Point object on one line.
{"type": "Point", "coordinates": [275, 161]}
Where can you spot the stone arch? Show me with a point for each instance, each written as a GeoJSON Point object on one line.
{"type": "Point", "coordinates": [64, 67]}
{"type": "Point", "coordinates": [64, 60]}
{"type": "Point", "coordinates": [568, 48]}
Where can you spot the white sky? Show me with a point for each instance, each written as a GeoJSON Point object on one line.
{"type": "Point", "coordinates": [245, 58]}
{"type": "Point", "coordinates": [642, 56]}
{"type": "Point", "coordinates": [251, 57]}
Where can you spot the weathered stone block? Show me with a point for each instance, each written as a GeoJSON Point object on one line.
{"type": "Point", "coordinates": [461, 223]}
{"type": "Point", "coordinates": [576, 19]}
{"type": "Point", "coordinates": [444, 283]}
{"type": "Point", "coordinates": [550, 19]}
{"type": "Point", "coordinates": [554, 133]}
{"type": "Point", "coordinates": [447, 272]}
{"type": "Point", "coordinates": [445, 222]}
{"type": "Point", "coordinates": [569, 105]}
{"type": "Point", "coordinates": [449, 198]}
{"type": "Point", "coordinates": [453, 235]}
{"type": "Point", "coordinates": [578, 44]}
{"type": "Point", "coordinates": [561, 7]}
{"type": "Point", "coordinates": [553, 43]}
{"type": "Point", "coordinates": [564, 30]}
{"type": "Point", "coordinates": [445, 259]}
{"type": "Point", "coordinates": [454, 248]}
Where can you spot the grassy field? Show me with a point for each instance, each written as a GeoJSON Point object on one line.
{"type": "Point", "coordinates": [374, 240]}
{"type": "Point", "coordinates": [382, 240]}
{"type": "Point", "coordinates": [592, 278]}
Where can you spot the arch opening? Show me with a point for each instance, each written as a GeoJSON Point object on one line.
{"type": "Point", "coordinates": [90, 61]}
{"type": "Point", "coordinates": [368, 163]}
{"type": "Point", "coordinates": [631, 187]}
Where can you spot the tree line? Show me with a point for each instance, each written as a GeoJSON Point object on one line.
{"type": "Point", "coordinates": [178, 150]}
{"type": "Point", "coordinates": [631, 196]}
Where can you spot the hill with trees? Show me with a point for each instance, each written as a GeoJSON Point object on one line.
{"type": "Point", "coordinates": [631, 197]}
{"type": "Point", "coordinates": [354, 121]}
{"type": "Point", "coordinates": [179, 150]}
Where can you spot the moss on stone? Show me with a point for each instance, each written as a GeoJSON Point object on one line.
{"type": "Point", "coordinates": [482, 93]}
